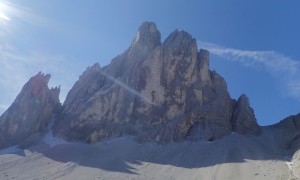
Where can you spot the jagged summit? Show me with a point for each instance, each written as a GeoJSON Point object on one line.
{"type": "Point", "coordinates": [30, 112]}
{"type": "Point", "coordinates": [244, 120]}
{"type": "Point", "coordinates": [146, 39]}
{"type": "Point", "coordinates": [147, 35]}
{"type": "Point", "coordinates": [179, 38]}
{"type": "Point", "coordinates": [156, 92]}
{"type": "Point", "coordinates": [37, 86]}
{"type": "Point", "coordinates": [38, 83]}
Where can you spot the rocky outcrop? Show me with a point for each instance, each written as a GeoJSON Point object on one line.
{"type": "Point", "coordinates": [291, 123]}
{"type": "Point", "coordinates": [155, 91]}
{"type": "Point", "coordinates": [290, 127]}
{"type": "Point", "coordinates": [30, 112]}
{"type": "Point", "coordinates": [243, 119]}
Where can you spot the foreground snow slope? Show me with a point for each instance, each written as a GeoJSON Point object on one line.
{"type": "Point", "coordinates": [233, 157]}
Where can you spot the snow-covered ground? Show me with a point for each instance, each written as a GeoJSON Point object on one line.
{"type": "Point", "coordinates": [233, 157]}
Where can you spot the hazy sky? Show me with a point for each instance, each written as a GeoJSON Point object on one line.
{"type": "Point", "coordinates": [254, 45]}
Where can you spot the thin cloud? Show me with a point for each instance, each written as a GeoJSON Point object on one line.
{"type": "Point", "coordinates": [16, 69]}
{"type": "Point", "coordinates": [283, 68]}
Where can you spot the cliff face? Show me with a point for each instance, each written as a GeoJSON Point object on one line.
{"type": "Point", "coordinates": [243, 119]}
{"type": "Point", "coordinates": [290, 126]}
{"type": "Point", "coordinates": [156, 91]}
{"type": "Point", "coordinates": [30, 112]}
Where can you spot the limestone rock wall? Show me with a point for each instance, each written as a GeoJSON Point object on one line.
{"type": "Point", "coordinates": [30, 112]}
{"type": "Point", "coordinates": [155, 91]}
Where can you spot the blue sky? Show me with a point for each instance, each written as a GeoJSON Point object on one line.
{"type": "Point", "coordinates": [255, 45]}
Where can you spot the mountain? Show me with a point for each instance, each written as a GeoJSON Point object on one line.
{"type": "Point", "coordinates": [155, 112]}
{"type": "Point", "coordinates": [27, 118]}
{"type": "Point", "coordinates": [155, 91]}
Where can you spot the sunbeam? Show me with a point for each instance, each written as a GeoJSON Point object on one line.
{"type": "Point", "coordinates": [3, 11]}
{"type": "Point", "coordinates": [129, 89]}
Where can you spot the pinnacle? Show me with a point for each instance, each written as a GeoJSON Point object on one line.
{"type": "Point", "coordinates": [179, 38]}
{"type": "Point", "coordinates": [147, 37]}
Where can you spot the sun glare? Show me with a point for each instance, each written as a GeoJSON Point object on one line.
{"type": "Point", "coordinates": [3, 12]}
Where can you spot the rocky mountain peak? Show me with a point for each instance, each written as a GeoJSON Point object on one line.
{"type": "Point", "coordinates": [180, 38]}
{"type": "Point", "coordinates": [38, 83]}
{"type": "Point", "coordinates": [243, 101]}
{"type": "Point", "coordinates": [37, 86]}
{"type": "Point", "coordinates": [244, 120]}
{"type": "Point", "coordinates": [146, 39]}
{"type": "Point", "coordinates": [156, 92]}
{"type": "Point", "coordinates": [153, 91]}
{"type": "Point", "coordinates": [30, 112]}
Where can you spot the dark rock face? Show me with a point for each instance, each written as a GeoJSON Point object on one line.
{"type": "Point", "coordinates": [290, 126]}
{"type": "Point", "coordinates": [244, 120]}
{"type": "Point", "coordinates": [30, 112]}
{"type": "Point", "coordinates": [156, 91]}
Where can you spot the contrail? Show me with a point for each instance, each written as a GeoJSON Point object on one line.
{"type": "Point", "coordinates": [281, 67]}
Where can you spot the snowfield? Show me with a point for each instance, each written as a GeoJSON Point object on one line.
{"type": "Point", "coordinates": [233, 157]}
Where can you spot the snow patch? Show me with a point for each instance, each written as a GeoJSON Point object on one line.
{"type": "Point", "coordinates": [49, 138]}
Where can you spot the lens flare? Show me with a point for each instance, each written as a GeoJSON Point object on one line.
{"type": "Point", "coordinates": [129, 89]}
{"type": "Point", "coordinates": [3, 12]}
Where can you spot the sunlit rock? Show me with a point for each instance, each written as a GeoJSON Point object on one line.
{"type": "Point", "coordinates": [30, 112]}
{"type": "Point", "coordinates": [155, 91]}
